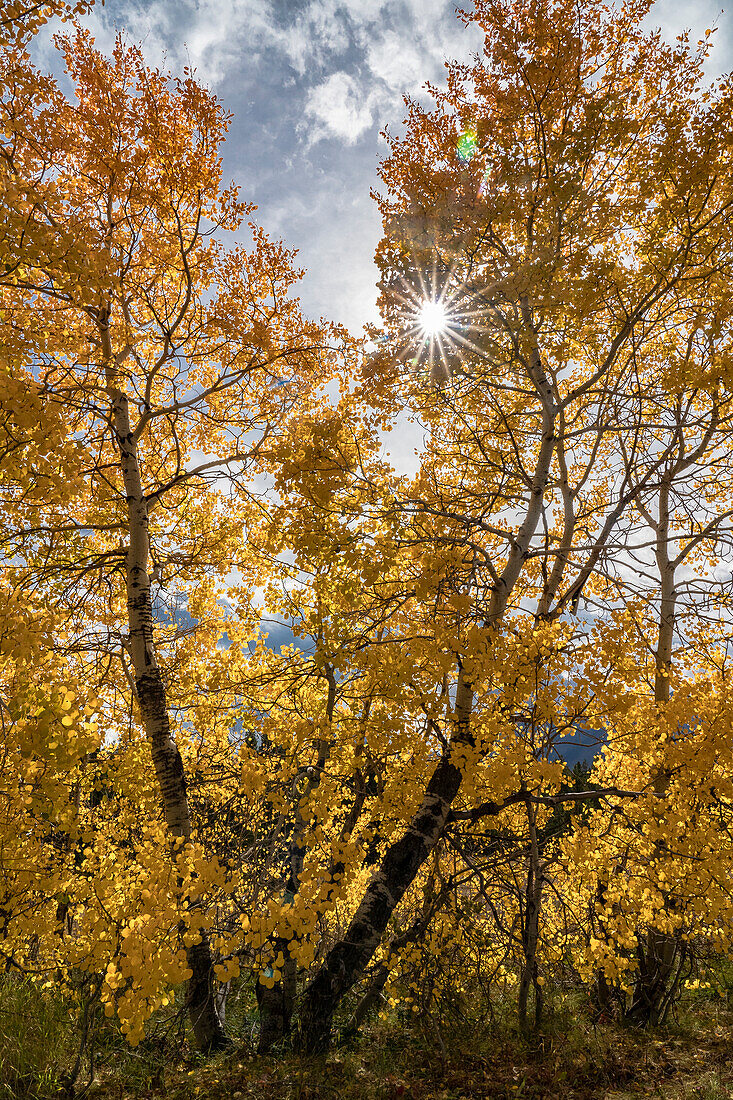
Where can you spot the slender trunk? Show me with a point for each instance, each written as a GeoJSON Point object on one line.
{"type": "Point", "coordinates": [531, 928]}
{"type": "Point", "coordinates": [667, 607]}
{"type": "Point", "coordinates": [346, 961]}
{"type": "Point", "coordinates": [659, 962]}
{"type": "Point", "coordinates": [209, 1034]}
{"type": "Point", "coordinates": [370, 1000]}
{"type": "Point", "coordinates": [661, 955]}
{"type": "Point", "coordinates": [603, 994]}
{"type": "Point", "coordinates": [373, 993]}
{"type": "Point", "coordinates": [275, 1005]}
{"type": "Point", "coordinates": [658, 951]}
{"type": "Point", "coordinates": [220, 998]}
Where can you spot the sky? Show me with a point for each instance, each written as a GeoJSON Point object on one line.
{"type": "Point", "coordinates": [310, 85]}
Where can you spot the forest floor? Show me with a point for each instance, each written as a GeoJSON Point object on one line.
{"type": "Point", "coordinates": [398, 1057]}
{"type": "Point", "coordinates": [690, 1058]}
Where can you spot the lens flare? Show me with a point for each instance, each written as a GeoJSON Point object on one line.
{"type": "Point", "coordinates": [432, 318]}
{"type": "Point", "coordinates": [467, 145]}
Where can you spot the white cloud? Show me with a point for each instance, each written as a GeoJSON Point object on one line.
{"type": "Point", "coordinates": [340, 109]}
{"type": "Point", "coordinates": [398, 63]}
{"type": "Point", "coordinates": [394, 46]}
{"type": "Point", "coordinates": [671, 16]}
{"type": "Point", "coordinates": [399, 43]}
{"type": "Point", "coordinates": [207, 35]}
{"type": "Point", "coordinates": [318, 33]}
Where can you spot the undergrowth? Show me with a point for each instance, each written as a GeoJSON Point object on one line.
{"type": "Point", "coordinates": [398, 1057]}
{"type": "Point", "coordinates": [37, 1041]}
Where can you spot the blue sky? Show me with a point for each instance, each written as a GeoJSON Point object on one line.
{"type": "Point", "coordinates": [310, 84]}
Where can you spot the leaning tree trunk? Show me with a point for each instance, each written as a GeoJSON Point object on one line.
{"type": "Point", "coordinates": [373, 993]}
{"type": "Point", "coordinates": [208, 1031]}
{"type": "Point", "coordinates": [346, 961]}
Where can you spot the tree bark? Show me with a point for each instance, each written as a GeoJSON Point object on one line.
{"type": "Point", "coordinates": [531, 928]}
{"type": "Point", "coordinates": [658, 951]}
{"type": "Point", "coordinates": [659, 963]}
{"type": "Point", "coordinates": [276, 1005]}
{"type": "Point", "coordinates": [346, 961]}
{"type": "Point", "coordinates": [209, 1034]}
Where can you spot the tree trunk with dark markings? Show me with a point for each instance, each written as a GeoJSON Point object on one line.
{"type": "Point", "coordinates": [208, 1030]}
{"type": "Point", "coordinates": [347, 960]}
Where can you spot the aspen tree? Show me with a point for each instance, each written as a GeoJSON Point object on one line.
{"type": "Point", "coordinates": [169, 361]}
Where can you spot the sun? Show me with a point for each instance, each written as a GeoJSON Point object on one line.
{"type": "Point", "coordinates": [439, 321]}
{"type": "Point", "coordinates": [432, 318]}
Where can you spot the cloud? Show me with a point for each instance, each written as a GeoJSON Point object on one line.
{"type": "Point", "coordinates": [207, 35]}
{"type": "Point", "coordinates": [309, 82]}
{"type": "Point", "coordinates": [387, 50]}
{"type": "Point", "coordinates": [319, 33]}
{"type": "Point", "coordinates": [671, 16]}
{"type": "Point", "coordinates": [340, 109]}
{"type": "Point", "coordinates": [355, 58]}
{"type": "Point", "coordinates": [388, 47]}
{"type": "Point", "coordinates": [397, 63]}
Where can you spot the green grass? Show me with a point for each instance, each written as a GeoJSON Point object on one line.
{"type": "Point", "coordinates": [37, 1043]}
{"type": "Point", "coordinates": [397, 1058]}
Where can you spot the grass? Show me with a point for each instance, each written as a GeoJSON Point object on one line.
{"type": "Point", "coordinates": [396, 1059]}
{"type": "Point", "coordinates": [690, 1059]}
{"type": "Point", "coordinates": [37, 1045]}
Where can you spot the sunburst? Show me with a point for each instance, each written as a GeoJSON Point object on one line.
{"type": "Point", "coordinates": [439, 319]}
{"type": "Point", "coordinates": [433, 319]}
